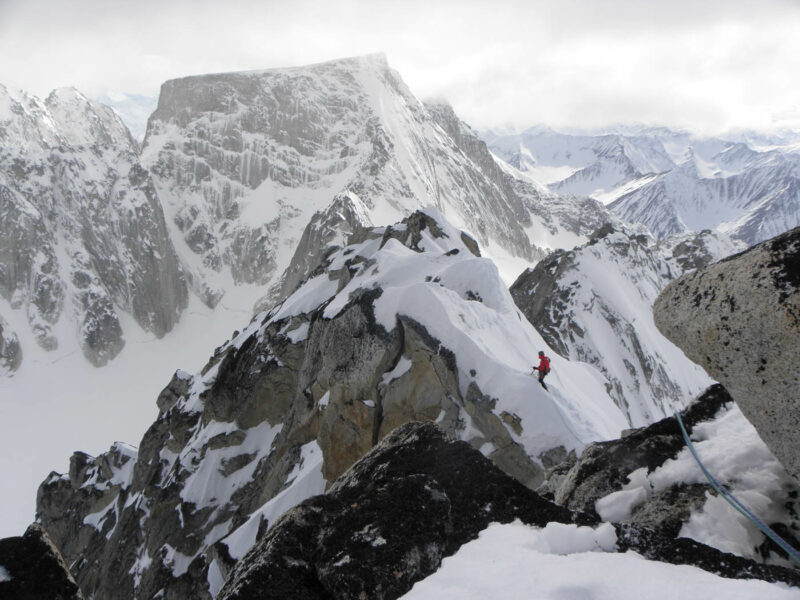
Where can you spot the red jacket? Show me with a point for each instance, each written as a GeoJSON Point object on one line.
{"type": "Point", "coordinates": [544, 365]}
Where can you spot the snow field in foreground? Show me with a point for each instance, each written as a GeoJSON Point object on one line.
{"type": "Point", "coordinates": [566, 562]}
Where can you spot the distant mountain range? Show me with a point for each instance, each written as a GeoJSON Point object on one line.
{"type": "Point", "coordinates": [671, 181]}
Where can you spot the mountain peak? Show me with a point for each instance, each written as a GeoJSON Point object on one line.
{"type": "Point", "coordinates": [67, 94]}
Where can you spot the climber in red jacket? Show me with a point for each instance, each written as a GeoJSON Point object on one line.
{"type": "Point", "coordinates": [543, 368]}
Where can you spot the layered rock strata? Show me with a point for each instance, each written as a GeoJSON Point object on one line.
{"type": "Point", "coordinates": [245, 161]}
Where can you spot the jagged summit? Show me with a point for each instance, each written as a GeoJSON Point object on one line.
{"type": "Point", "coordinates": [244, 161]}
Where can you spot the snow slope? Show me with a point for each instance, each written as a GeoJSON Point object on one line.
{"type": "Point", "coordinates": [567, 562]}
{"type": "Point", "coordinates": [489, 337]}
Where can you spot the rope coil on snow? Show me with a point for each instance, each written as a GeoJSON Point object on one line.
{"type": "Point", "coordinates": [733, 501]}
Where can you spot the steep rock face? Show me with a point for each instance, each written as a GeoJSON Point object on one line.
{"type": "Point", "coordinates": [388, 522]}
{"type": "Point", "coordinates": [83, 233]}
{"type": "Point", "coordinates": [243, 161]}
{"type": "Point", "coordinates": [593, 304]}
{"type": "Point", "coordinates": [740, 319]}
{"type": "Point", "coordinates": [33, 569]}
{"type": "Point", "coordinates": [327, 230]}
{"type": "Point", "coordinates": [406, 323]}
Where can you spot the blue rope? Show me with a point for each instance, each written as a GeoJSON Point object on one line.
{"type": "Point", "coordinates": [733, 501]}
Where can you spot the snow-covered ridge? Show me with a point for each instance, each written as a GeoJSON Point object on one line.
{"type": "Point", "coordinates": [406, 323]}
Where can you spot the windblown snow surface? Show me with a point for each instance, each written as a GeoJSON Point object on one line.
{"type": "Point", "coordinates": [567, 562]}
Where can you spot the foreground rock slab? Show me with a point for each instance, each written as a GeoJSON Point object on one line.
{"type": "Point", "coordinates": [740, 320]}
{"type": "Point", "coordinates": [34, 569]}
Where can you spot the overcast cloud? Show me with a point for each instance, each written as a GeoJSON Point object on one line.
{"type": "Point", "coordinates": [708, 66]}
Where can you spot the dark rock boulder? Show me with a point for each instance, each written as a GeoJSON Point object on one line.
{"type": "Point", "coordinates": [34, 569]}
{"type": "Point", "coordinates": [10, 351]}
{"type": "Point", "coordinates": [651, 517]}
{"type": "Point", "coordinates": [740, 320]}
{"type": "Point", "coordinates": [388, 521]}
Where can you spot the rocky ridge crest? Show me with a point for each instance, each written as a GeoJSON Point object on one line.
{"type": "Point", "coordinates": [286, 406]}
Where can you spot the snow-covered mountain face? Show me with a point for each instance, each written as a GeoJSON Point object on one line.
{"type": "Point", "coordinates": [243, 162]}
{"type": "Point", "coordinates": [594, 304]}
{"type": "Point", "coordinates": [83, 239]}
{"type": "Point", "coordinates": [752, 196]}
{"type": "Point", "coordinates": [670, 181]}
{"type": "Point", "coordinates": [406, 323]}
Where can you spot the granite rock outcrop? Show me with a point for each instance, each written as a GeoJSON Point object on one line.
{"type": "Point", "coordinates": [740, 320]}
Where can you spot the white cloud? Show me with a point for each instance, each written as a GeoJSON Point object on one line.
{"type": "Point", "coordinates": [708, 66]}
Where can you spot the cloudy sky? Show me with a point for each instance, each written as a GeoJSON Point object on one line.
{"type": "Point", "coordinates": [708, 66]}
